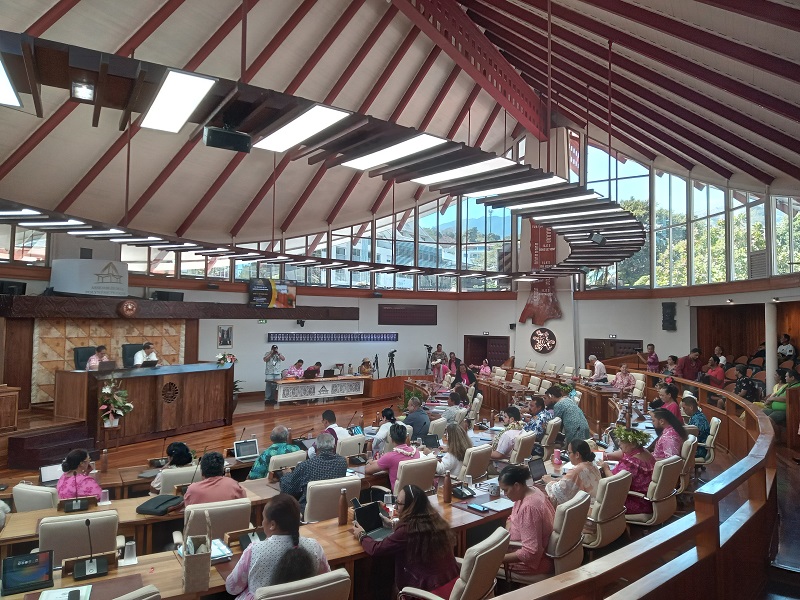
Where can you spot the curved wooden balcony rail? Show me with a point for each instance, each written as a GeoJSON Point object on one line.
{"type": "Point", "coordinates": [714, 552]}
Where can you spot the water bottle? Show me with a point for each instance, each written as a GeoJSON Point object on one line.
{"type": "Point", "coordinates": [556, 457]}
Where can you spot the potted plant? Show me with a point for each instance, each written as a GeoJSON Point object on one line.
{"type": "Point", "coordinates": [113, 403]}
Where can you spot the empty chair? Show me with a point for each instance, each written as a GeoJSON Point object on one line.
{"type": "Point", "coordinates": [328, 586]}
{"type": "Point", "coordinates": [522, 448]}
{"type": "Point", "coordinates": [637, 393]}
{"type": "Point", "coordinates": [29, 497]}
{"type": "Point", "coordinates": [81, 354]}
{"type": "Point", "coordinates": [475, 409]}
{"type": "Point", "coordinates": [350, 446]}
{"type": "Point", "coordinates": [531, 365]}
{"type": "Point", "coordinates": [607, 515]}
{"type": "Point", "coordinates": [661, 492]}
{"type": "Point", "coordinates": [787, 364]}
{"type": "Point", "coordinates": [517, 378]}
{"type": "Point", "coordinates": [548, 442]}
{"type": "Point", "coordinates": [479, 566]}
{"type": "Point", "coordinates": [569, 371]}
{"type": "Point", "coordinates": [322, 497]}
{"type": "Point", "coordinates": [546, 383]}
{"type": "Point", "coordinates": [225, 516]}
{"type": "Point", "coordinates": [179, 477]}
{"type": "Point", "coordinates": [566, 542]}
{"type": "Point", "coordinates": [460, 415]}
{"type": "Point", "coordinates": [757, 362]}
{"type": "Point", "coordinates": [500, 374]}
{"type": "Point", "coordinates": [286, 461]}
{"type": "Point", "coordinates": [534, 382]}
{"type": "Point", "coordinates": [470, 392]}
{"type": "Point", "coordinates": [688, 450]}
{"type": "Point", "coordinates": [437, 427]}
{"type": "Point", "coordinates": [66, 536]}
{"type": "Point", "coordinates": [742, 360]}
{"type": "Point", "coordinates": [639, 385]}
{"type": "Point", "coordinates": [584, 373]}
{"type": "Point", "coordinates": [476, 462]}
{"type": "Point", "coordinates": [638, 376]}
{"type": "Point", "coordinates": [148, 592]}
{"type": "Point", "coordinates": [611, 377]}
{"type": "Point", "coordinates": [550, 368]}
{"type": "Point", "coordinates": [710, 445]}
{"type": "Point", "coordinates": [448, 379]}
{"type": "Point", "coordinates": [577, 396]}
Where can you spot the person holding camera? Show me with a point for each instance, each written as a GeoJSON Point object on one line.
{"type": "Point", "coordinates": [272, 373]}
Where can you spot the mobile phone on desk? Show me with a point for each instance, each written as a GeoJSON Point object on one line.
{"type": "Point", "coordinates": [3, 487]}
{"type": "Point", "coordinates": [477, 507]}
{"type": "Point", "coordinates": [355, 503]}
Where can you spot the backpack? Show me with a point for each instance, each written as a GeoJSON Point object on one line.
{"type": "Point", "coordinates": [159, 505]}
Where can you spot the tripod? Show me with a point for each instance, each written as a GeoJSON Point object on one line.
{"type": "Point", "coordinates": [428, 369]}
{"type": "Point", "coordinates": [375, 368]}
{"type": "Point", "coordinates": [390, 372]}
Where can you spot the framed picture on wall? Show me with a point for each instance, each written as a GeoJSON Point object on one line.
{"type": "Point", "coordinates": [224, 336]}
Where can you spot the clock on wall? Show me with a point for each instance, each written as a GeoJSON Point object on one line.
{"type": "Point", "coordinates": [127, 308]}
{"type": "Point", "coordinates": [543, 340]}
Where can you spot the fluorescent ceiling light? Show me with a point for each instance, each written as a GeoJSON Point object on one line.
{"type": "Point", "coordinates": [469, 275]}
{"type": "Point", "coordinates": [498, 276]}
{"type": "Point", "coordinates": [177, 99]}
{"type": "Point", "coordinates": [247, 255]}
{"type": "Point", "coordinates": [416, 144]}
{"type": "Point", "coordinates": [447, 274]}
{"type": "Point", "coordinates": [310, 123]}
{"type": "Point", "coordinates": [8, 95]}
{"type": "Point", "coordinates": [90, 233]}
{"type": "Point", "coordinates": [136, 240]}
{"type": "Point", "coordinates": [412, 271]}
{"type": "Point", "coordinates": [278, 258]}
{"type": "Point", "coordinates": [541, 203]}
{"type": "Point", "coordinates": [519, 187]}
{"type": "Point", "coordinates": [356, 268]}
{"type": "Point", "coordinates": [577, 214]}
{"type": "Point", "coordinates": [25, 212]}
{"type": "Point", "coordinates": [83, 91]}
{"type": "Point", "coordinates": [39, 224]}
{"type": "Point", "coordinates": [526, 279]}
{"type": "Point", "coordinates": [591, 224]}
{"type": "Point", "coordinates": [474, 169]}
{"type": "Point", "coordinates": [174, 246]}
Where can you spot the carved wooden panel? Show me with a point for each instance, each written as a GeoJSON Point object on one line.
{"type": "Point", "coordinates": [407, 314]}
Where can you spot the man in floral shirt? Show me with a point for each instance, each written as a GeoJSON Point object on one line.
{"type": "Point", "coordinates": [280, 445]}
{"type": "Point", "coordinates": [538, 423]}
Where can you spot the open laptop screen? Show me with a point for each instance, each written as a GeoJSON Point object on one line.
{"type": "Point", "coordinates": [369, 516]}
{"type": "Point", "coordinates": [27, 572]}
{"type": "Point", "coordinates": [537, 468]}
{"type": "Point", "coordinates": [245, 449]}
{"type": "Point", "coordinates": [50, 473]}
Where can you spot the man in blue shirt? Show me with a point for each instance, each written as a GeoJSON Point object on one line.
{"type": "Point", "coordinates": [698, 419]}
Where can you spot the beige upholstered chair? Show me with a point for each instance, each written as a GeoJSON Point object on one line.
{"type": "Point", "coordinates": [569, 371]}
{"type": "Point", "coordinates": [178, 477]}
{"type": "Point", "coordinates": [523, 447]}
{"type": "Point", "coordinates": [584, 373]}
{"type": "Point", "coordinates": [638, 376]}
{"type": "Point", "coordinates": [577, 396]}
{"type": "Point", "coordinates": [476, 462]}
{"type": "Point", "coordinates": [550, 368]}
{"type": "Point", "coordinates": [475, 409]}
{"type": "Point", "coordinates": [471, 392]}
{"type": "Point", "coordinates": [350, 446]}
{"type": "Point", "coordinates": [710, 445]}
{"type": "Point", "coordinates": [390, 442]}
{"type": "Point", "coordinates": [534, 382]}
{"type": "Point", "coordinates": [637, 393]}
{"type": "Point", "coordinates": [225, 516]}
{"type": "Point", "coordinates": [287, 461]}
{"type": "Point", "coordinates": [322, 497]}
{"type": "Point", "coordinates": [500, 374]}
{"type": "Point", "coordinates": [517, 378]}
{"type": "Point", "coordinates": [608, 511]}
{"type": "Point", "coordinates": [460, 415]}
{"type": "Point", "coordinates": [148, 592]}
{"type": "Point", "coordinates": [34, 497]}
{"type": "Point", "coordinates": [328, 586]}
{"type": "Point", "coordinates": [691, 430]}
{"type": "Point", "coordinates": [545, 385]}
{"type": "Point", "coordinates": [688, 451]}
{"type": "Point", "coordinates": [478, 570]}
{"type": "Point", "coordinates": [447, 380]}
{"type": "Point", "coordinates": [548, 442]}
{"type": "Point", "coordinates": [437, 427]}
{"type": "Point", "coordinates": [566, 542]}
{"type": "Point", "coordinates": [661, 492]}
{"type": "Point", "coordinates": [66, 536]}
{"type": "Point", "coordinates": [417, 471]}
{"type": "Point", "coordinates": [639, 385]}
{"type": "Point", "coordinates": [530, 365]}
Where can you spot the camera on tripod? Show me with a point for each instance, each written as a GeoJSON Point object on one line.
{"type": "Point", "coordinates": [392, 353]}
{"type": "Point", "coordinates": [429, 347]}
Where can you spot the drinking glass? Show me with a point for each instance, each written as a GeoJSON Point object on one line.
{"type": "Point", "coordinates": [369, 454]}
{"type": "Point", "coordinates": [130, 551]}
{"type": "Point", "coordinates": [468, 480]}
{"type": "Point", "coordinates": [418, 442]}
{"type": "Point", "coordinates": [104, 496]}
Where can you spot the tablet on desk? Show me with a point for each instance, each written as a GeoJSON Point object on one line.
{"type": "Point", "coordinates": [27, 572]}
{"type": "Point", "coordinates": [148, 363]}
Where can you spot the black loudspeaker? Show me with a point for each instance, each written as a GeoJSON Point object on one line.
{"type": "Point", "coordinates": [214, 137]}
{"type": "Point", "coordinates": [668, 310]}
{"type": "Point", "coordinates": [167, 296]}
{"type": "Point", "coordinates": [512, 326]}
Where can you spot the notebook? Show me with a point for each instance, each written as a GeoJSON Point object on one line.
{"type": "Point", "coordinates": [369, 517]}
{"type": "Point", "coordinates": [27, 572]}
{"type": "Point", "coordinates": [246, 450]}
{"type": "Point", "coordinates": [50, 474]}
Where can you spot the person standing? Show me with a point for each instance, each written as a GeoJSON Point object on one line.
{"type": "Point", "coordinates": [272, 372]}
{"type": "Point", "coordinates": [688, 366]}
{"type": "Point", "coordinates": [573, 421]}
{"type": "Point", "coordinates": [651, 358]}
{"type": "Point", "coordinates": [441, 356]}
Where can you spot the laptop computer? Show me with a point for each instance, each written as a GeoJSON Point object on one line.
{"type": "Point", "coordinates": [431, 441]}
{"type": "Point", "coordinates": [107, 365]}
{"type": "Point", "coordinates": [310, 373]}
{"type": "Point", "coordinates": [246, 450]}
{"type": "Point", "coordinates": [27, 572]}
{"type": "Point", "coordinates": [149, 363]}
{"type": "Point", "coordinates": [369, 517]}
{"type": "Point", "coordinates": [329, 373]}
{"type": "Point", "coordinates": [50, 474]}
{"type": "Point", "coordinates": [303, 443]}
{"type": "Point", "coordinates": [537, 468]}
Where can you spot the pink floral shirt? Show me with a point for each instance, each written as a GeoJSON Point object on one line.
{"type": "Point", "coordinates": [86, 486]}
{"type": "Point", "coordinates": [668, 444]}
{"type": "Point", "coordinates": [624, 381]}
{"type": "Point", "coordinates": [295, 372]}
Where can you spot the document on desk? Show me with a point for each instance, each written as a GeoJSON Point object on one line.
{"type": "Point", "coordinates": [499, 504]}
{"type": "Point", "coordinates": [63, 593]}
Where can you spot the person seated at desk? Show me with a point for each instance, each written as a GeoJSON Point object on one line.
{"type": "Point", "coordinates": [313, 371]}
{"type": "Point", "coordinates": [178, 455]}
{"type": "Point", "coordinates": [599, 375]}
{"type": "Point", "coordinates": [463, 394]}
{"type": "Point", "coordinates": [696, 419]}
{"type": "Point", "coordinates": [503, 442]}
{"type": "Point", "coordinates": [76, 481]}
{"type": "Point", "coordinates": [417, 418]}
{"type": "Point", "coordinates": [672, 363]}
{"type": "Point", "coordinates": [633, 458]}
{"type": "Point", "coordinates": [336, 432]}
{"type": "Point", "coordinates": [382, 436]}
{"type": "Point", "coordinates": [325, 464]}
{"type": "Point", "coordinates": [538, 423]}
{"type": "Point", "coordinates": [296, 371]}
{"type": "Point", "coordinates": [100, 355]}
{"type": "Point", "coordinates": [484, 370]}
{"type": "Point", "coordinates": [365, 368]}
{"type": "Point", "coordinates": [668, 394]}
{"type": "Point", "coordinates": [583, 476]}
{"type": "Point", "coordinates": [453, 409]}
{"type": "Point", "coordinates": [214, 487]}
{"type": "Point", "coordinates": [280, 445]}
{"type": "Point", "coordinates": [281, 558]}
{"type": "Point", "coordinates": [456, 444]}
{"type": "Point", "coordinates": [624, 381]}
{"type": "Point", "coordinates": [148, 352]}
{"type": "Point", "coordinates": [530, 523]}
{"type": "Point", "coordinates": [391, 460]}
{"type": "Point", "coordinates": [421, 544]}
{"type": "Point", "coordinates": [464, 376]}
{"type": "Point", "coordinates": [671, 434]}
{"type": "Point", "coordinates": [573, 422]}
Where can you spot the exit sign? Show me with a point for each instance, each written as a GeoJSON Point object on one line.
{"type": "Point", "coordinates": [262, 321]}
{"type": "Point", "coordinates": [485, 333]}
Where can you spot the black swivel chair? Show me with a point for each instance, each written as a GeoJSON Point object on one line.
{"type": "Point", "coordinates": [81, 355]}
{"type": "Point", "coordinates": [128, 352]}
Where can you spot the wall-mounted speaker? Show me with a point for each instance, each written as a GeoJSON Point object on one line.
{"type": "Point", "coordinates": [167, 296]}
{"type": "Point", "coordinates": [668, 311]}
{"type": "Point", "coordinates": [512, 326]}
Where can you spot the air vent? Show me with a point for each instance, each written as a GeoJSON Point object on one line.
{"type": "Point", "coordinates": [757, 265]}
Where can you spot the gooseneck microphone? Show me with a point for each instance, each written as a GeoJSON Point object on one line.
{"type": "Point", "coordinates": [242, 435]}
{"type": "Point", "coordinates": [350, 422]}
{"type": "Point", "coordinates": [76, 504]}
{"type": "Point", "coordinates": [91, 567]}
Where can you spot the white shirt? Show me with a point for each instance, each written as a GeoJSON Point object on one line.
{"type": "Point", "coordinates": [449, 463]}
{"type": "Point", "coordinates": [382, 435]}
{"type": "Point", "coordinates": [786, 350]}
{"type": "Point", "coordinates": [341, 433]}
{"type": "Point", "coordinates": [599, 371]}
{"type": "Point", "coordinates": [140, 357]}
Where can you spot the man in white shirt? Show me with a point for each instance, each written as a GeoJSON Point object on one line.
{"type": "Point", "coordinates": [338, 433]}
{"type": "Point", "coordinates": [599, 374]}
{"type": "Point", "coordinates": [718, 351]}
{"type": "Point", "coordinates": [786, 349]}
{"type": "Point", "coordinates": [148, 352]}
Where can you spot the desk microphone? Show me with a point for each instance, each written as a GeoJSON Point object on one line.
{"type": "Point", "coordinates": [358, 459]}
{"type": "Point", "coordinates": [303, 436]}
{"type": "Point", "coordinates": [350, 422]}
{"type": "Point", "coordinates": [194, 475]}
{"type": "Point", "coordinates": [91, 567]}
{"type": "Point", "coordinates": [559, 368]}
{"type": "Point", "coordinates": [162, 460]}
{"type": "Point", "coordinates": [241, 436]}
{"type": "Point", "coordinates": [76, 504]}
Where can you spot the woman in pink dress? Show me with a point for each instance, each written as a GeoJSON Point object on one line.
{"type": "Point", "coordinates": [624, 381]}
{"type": "Point", "coordinates": [76, 482]}
{"type": "Point", "coordinates": [671, 434]}
{"type": "Point", "coordinates": [638, 462]}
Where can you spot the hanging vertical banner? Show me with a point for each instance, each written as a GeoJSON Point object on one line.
{"type": "Point", "coordinates": [542, 304]}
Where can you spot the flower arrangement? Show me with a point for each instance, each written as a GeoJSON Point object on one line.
{"type": "Point", "coordinates": [668, 380]}
{"type": "Point", "coordinates": [566, 387]}
{"type": "Point", "coordinates": [632, 436]}
{"type": "Point", "coordinates": [224, 358]}
{"type": "Point", "coordinates": [114, 401]}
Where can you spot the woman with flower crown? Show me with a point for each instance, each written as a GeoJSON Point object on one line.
{"type": "Point", "coordinates": [638, 462]}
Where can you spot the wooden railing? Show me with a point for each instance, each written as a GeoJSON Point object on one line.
{"type": "Point", "coordinates": [704, 554]}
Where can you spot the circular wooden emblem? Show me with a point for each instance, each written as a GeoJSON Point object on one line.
{"type": "Point", "coordinates": [543, 340]}
{"type": "Point", "coordinates": [170, 392]}
{"type": "Point", "coordinates": [127, 308]}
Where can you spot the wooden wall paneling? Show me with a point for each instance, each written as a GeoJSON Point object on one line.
{"type": "Point", "coordinates": [738, 328]}
{"type": "Point", "coordinates": [789, 320]}
{"type": "Point", "coordinates": [72, 390]}
{"type": "Point", "coordinates": [3, 346]}
{"type": "Point", "coordinates": [191, 343]}
{"type": "Point", "coordinates": [17, 360]}
{"type": "Point", "coordinates": [498, 349]}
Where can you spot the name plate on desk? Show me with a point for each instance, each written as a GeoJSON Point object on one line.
{"type": "Point", "coordinates": [307, 389]}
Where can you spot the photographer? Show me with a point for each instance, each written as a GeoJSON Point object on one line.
{"type": "Point", "coordinates": [272, 372]}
